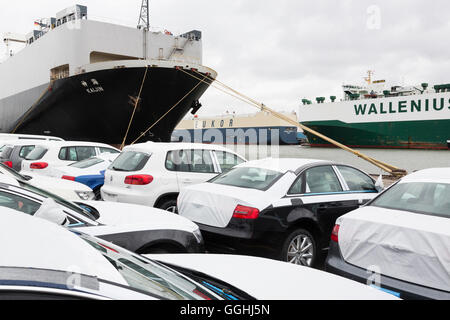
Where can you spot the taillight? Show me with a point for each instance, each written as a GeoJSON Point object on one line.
{"type": "Point", "coordinates": [335, 233]}
{"type": "Point", "coordinates": [68, 178]}
{"type": "Point", "coordinates": [139, 180]}
{"type": "Point", "coordinates": [8, 164]}
{"type": "Point", "coordinates": [39, 165]}
{"type": "Point", "coordinates": [243, 212]}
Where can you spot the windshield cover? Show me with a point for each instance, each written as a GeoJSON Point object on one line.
{"type": "Point", "coordinates": [418, 197]}
{"type": "Point", "coordinates": [245, 177]}
{"type": "Point", "coordinates": [145, 275]}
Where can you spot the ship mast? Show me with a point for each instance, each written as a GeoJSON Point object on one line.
{"type": "Point", "coordinates": [144, 18]}
{"type": "Point", "coordinates": [144, 23]}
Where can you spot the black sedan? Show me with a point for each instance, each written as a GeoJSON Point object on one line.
{"type": "Point", "coordinates": [277, 208]}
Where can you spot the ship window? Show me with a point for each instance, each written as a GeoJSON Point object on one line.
{"type": "Point", "coordinates": [60, 72]}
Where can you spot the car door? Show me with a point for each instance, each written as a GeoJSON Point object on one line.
{"type": "Point", "coordinates": [320, 191]}
{"type": "Point", "coordinates": [194, 166]}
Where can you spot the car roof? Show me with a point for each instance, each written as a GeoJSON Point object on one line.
{"type": "Point", "coordinates": [22, 142]}
{"type": "Point", "coordinates": [11, 136]}
{"type": "Point", "coordinates": [57, 144]}
{"type": "Point", "coordinates": [31, 244]}
{"type": "Point", "coordinates": [167, 146]}
{"type": "Point", "coordinates": [431, 174]}
{"type": "Point", "coordinates": [283, 165]}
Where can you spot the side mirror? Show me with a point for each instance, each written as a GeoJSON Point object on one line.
{"type": "Point", "coordinates": [52, 212]}
{"type": "Point", "coordinates": [379, 185]}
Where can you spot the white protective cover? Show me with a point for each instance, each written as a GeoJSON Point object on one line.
{"type": "Point", "coordinates": [266, 279]}
{"type": "Point", "coordinates": [402, 245]}
{"type": "Point", "coordinates": [213, 204]}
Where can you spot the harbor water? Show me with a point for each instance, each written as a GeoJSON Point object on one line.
{"type": "Point", "coordinates": [410, 160]}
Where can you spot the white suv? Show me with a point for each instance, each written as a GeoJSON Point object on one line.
{"type": "Point", "coordinates": [152, 174]}
{"type": "Point", "coordinates": [48, 155]}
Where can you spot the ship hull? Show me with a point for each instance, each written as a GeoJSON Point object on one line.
{"type": "Point", "coordinates": [249, 136]}
{"type": "Point", "coordinates": [426, 134]}
{"type": "Point", "coordinates": [98, 106]}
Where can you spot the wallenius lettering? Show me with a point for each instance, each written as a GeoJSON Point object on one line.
{"type": "Point", "coordinates": [401, 107]}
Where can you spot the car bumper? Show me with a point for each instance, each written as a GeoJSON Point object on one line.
{"type": "Point", "coordinates": [336, 264]}
{"type": "Point", "coordinates": [127, 196]}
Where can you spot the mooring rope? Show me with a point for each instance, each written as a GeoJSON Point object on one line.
{"type": "Point", "coordinates": [234, 93]}
{"type": "Point", "coordinates": [135, 108]}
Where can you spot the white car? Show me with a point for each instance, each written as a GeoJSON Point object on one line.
{"type": "Point", "coordinates": [46, 156]}
{"type": "Point", "coordinates": [137, 228]}
{"type": "Point", "coordinates": [69, 190]}
{"type": "Point", "coordinates": [90, 172]}
{"type": "Point", "coordinates": [277, 208]}
{"type": "Point", "coordinates": [152, 174]}
{"type": "Point", "coordinates": [78, 266]}
{"type": "Point", "coordinates": [399, 241]}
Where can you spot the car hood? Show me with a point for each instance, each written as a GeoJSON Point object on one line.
{"type": "Point", "coordinates": [213, 204]}
{"type": "Point", "coordinates": [403, 245]}
{"type": "Point", "coordinates": [266, 279]}
{"type": "Point", "coordinates": [124, 217]}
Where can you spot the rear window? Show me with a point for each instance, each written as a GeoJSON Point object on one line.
{"type": "Point", "coordinates": [24, 151]}
{"type": "Point", "coordinates": [417, 197]}
{"type": "Point", "coordinates": [37, 154]}
{"type": "Point", "coordinates": [130, 161]}
{"type": "Point", "coordinates": [86, 163]}
{"type": "Point", "coordinates": [252, 178]}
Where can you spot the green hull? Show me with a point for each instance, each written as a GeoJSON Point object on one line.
{"type": "Point", "coordinates": [426, 134]}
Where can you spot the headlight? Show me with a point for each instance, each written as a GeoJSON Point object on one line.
{"type": "Point", "coordinates": [85, 195]}
{"type": "Point", "coordinates": [198, 235]}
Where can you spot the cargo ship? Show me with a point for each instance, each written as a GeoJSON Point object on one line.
{"type": "Point", "coordinates": [257, 128]}
{"type": "Point", "coordinates": [81, 79]}
{"type": "Point", "coordinates": [377, 115]}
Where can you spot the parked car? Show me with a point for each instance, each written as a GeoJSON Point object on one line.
{"type": "Point", "coordinates": [14, 152]}
{"type": "Point", "coordinates": [68, 190]}
{"type": "Point", "coordinates": [152, 174]}
{"type": "Point", "coordinates": [46, 156]}
{"type": "Point", "coordinates": [279, 208]}
{"type": "Point", "coordinates": [90, 172]}
{"type": "Point", "coordinates": [137, 228]}
{"type": "Point", "coordinates": [400, 240]}
{"type": "Point", "coordinates": [11, 136]}
{"type": "Point", "coordinates": [33, 266]}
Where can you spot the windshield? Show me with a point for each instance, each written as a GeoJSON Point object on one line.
{"type": "Point", "coordinates": [244, 177]}
{"type": "Point", "coordinates": [418, 197]}
{"type": "Point", "coordinates": [61, 201]}
{"type": "Point", "coordinates": [145, 275]}
{"type": "Point", "coordinates": [87, 163]}
{"type": "Point", "coordinates": [37, 154]}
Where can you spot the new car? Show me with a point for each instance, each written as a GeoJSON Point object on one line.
{"type": "Point", "coordinates": [33, 266]}
{"type": "Point", "coordinates": [90, 172]}
{"type": "Point", "coordinates": [400, 240]}
{"type": "Point", "coordinates": [48, 155]}
{"type": "Point", "coordinates": [279, 208]}
{"type": "Point", "coordinates": [137, 228]}
{"type": "Point", "coordinates": [152, 174]}
{"type": "Point", "coordinates": [69, 190]}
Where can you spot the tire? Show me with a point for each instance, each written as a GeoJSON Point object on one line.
{"type": "Point", "coordinates": [98, 194]}
{"type": "Point", "coordinates": [169, 205]}
{"type": "Point", "coordinates": [300, 247]}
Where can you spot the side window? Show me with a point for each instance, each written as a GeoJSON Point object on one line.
{"type": "Point", "coordinates": [322, 180]}
{"type": "Point", "coordinates": [297, 187]}
{"type": "Point", "coordinates": [202, 161]}
{"type": "Point", "coordinates": [227, 160]}
{"type": "Point", "coordinates": [24, 151]}
{"type": "Point", "coordinates": [84, 153]}
{"type": "Point", "coordinates": [18, 203]}
{"type": "Point", "coordinates": [63, 154]}
{"type": "Point", "coordinates": [356, 180]}
{"type": "Point", "coordinates": [178, 161]}
{"type": "Point", "coordinates": [72, 154]}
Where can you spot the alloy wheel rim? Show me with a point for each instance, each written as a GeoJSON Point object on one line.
{"type": "Point", "coordinates": [172, 209]}
{"type": "Point", "coordinates": [301, 251]}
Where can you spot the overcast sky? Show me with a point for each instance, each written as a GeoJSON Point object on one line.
{"type": "Point", "coordinates": [279, 52]}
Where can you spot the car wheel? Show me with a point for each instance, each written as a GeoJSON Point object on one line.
{"type": "Point", "coordinates": [300, 248]}
{"type": "Point", "coordinates": [97, 193]}
{"type": "Point", "coordinates": [170, 205]}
